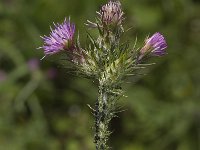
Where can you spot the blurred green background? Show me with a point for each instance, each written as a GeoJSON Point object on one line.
{"type": "Point", "coordinates": [42, 107]}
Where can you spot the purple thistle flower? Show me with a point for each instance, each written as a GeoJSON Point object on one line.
{"type": "Point", "coordinates": [60, 38]}
{"type": "Point", "coordinates": [155, 45]}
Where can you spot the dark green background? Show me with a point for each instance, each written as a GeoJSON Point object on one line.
{"type": "Point", "coordinates": [45, 108]}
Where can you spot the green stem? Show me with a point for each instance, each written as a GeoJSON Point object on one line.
{"type": "Point", "coordinates": [104, 112]}
{"type": "Point", "coordinates": [103, 116]}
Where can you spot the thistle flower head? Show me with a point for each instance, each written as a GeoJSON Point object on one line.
{"type": "Point", "coordinates": [60, 38]}
{"type": "Point", "coordinates": [155, 45]}
{"type": "Point", "coordinates": [111, 13]}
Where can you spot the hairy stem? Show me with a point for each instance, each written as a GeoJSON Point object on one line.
{"type": "Point", "coordinates": [104, 112]}
{"type": "Point", "coordinates": [103, 116]}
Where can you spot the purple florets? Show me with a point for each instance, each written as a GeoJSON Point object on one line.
{"type": "Point", "coordinates": [156, 45]}
{"type": "Point", "coordinates": [60, 38]}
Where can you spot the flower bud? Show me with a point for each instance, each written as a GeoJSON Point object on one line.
{"type": "Point", "coordinates": [111, 13]}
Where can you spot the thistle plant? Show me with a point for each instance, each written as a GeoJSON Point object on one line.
{"type": "Point", "coordinates": [105, 59]}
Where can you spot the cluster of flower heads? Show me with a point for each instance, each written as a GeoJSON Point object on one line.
{"type": "Point", "coordinates": [105, 59]}
{"type": "Point", "coordinates": [61, 37]}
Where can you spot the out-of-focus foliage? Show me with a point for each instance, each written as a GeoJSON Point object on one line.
{"type": "Point", "coordinates": [42, 107]}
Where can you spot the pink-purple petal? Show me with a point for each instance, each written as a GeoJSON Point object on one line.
{"type": "Point", "coordinates": [59, 36]}
{"type": "Point", "coordinates": [158, 43]}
